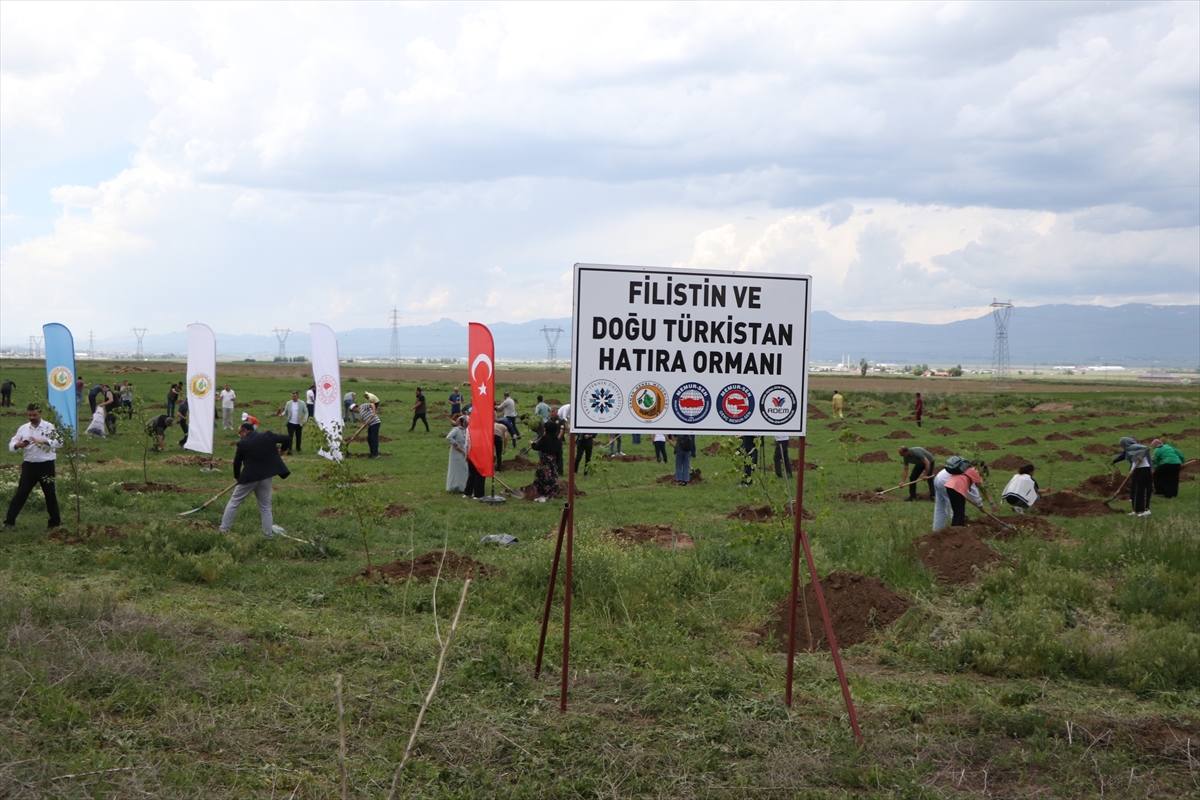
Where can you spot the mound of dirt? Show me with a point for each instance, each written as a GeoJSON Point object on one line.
{"type": "Point", "coordinates": [1106, 430]}
{"type": "Point", "coordinates": [696, 477]}
{"type": "Point", "coordinates": [857, 604]}
{"type": "Point", "coordinates": [1024, 441]}
{"type": "Point", "coordinates": [1006, 424]}
{"type": "Point", "coordinates": [877, 457]}
{"type": "Point", "coordinates": [1167, 420]}
{"type": "Point", "coordinates": [1186, 432]}
{"type": "Point", "coordinates": [326, 513]}
{"type": "Point", "coordinates": [975, 428]}
{"type": "Point", "coordinates": [816, 413]}
{"type": "Point", "coordinates": [1067, 455]}
{"type": "Point", "coordinates": [1193, 466]}
{"type": "Point", "coordinates": [554, 401]}
{"type": "Point", "coordinates": [955, 554]}
{"type": "Point", "coordinates": [1104, 486]}
{"type": "Point", "coordinates": [764, 513]}
{"type": "Point", "coordinates": [1019, 525]}
{"type": "Point", "coordinates": [1035, 422]}
{"type": "Point", "coordinates": [988, 446]}
{"type": "Point", "coordinates": [147, 488]}
{"type": "Point", "coordinates": [964, 409]}
{"type": "Point", "coordinates": [898, 434]}
{"type": "Point", "coordinates": [664, 536]}
{"type": "Point", "coordinates": [1069, 504]}
{"type": "Point", "coordinates": [712, 449]}
{"type": "Point", "coordinates": [938, 450]}
{"type": "Point", "coordinates": [520, 464]}
{"type": "Point", "coordinates": [425, 568]}
{"type": "Point", "coordinates": [1082, 434]}
{"type": "Point", "coordinates": [1043, 407]}
{"type": "Point", "coordinates": [808, 465]}
{"type": "Point", "coordinates": [1061, 420]}
{"type": "Point", "coordinates": [259, 403]}
{"type": "Point", "coordinates": [890, 414]}
{"type": "Point", "coordinates": [193, 461]}
{"type": "Point", "coordinates": [1009, 462]}
{"type": "Point", "coordinates": [396, 510]}
{"type": "Point", "coordinates": [87, 534]}
{"type": "Point", "coordinates": [1101, 449]}
{"type": "Point", "coordinates": [1058, 437]}
{"type": "Point", "coordinates": [944, 431]}
{"type": "Point", "coordinates": [866, 497]}
{"type": "Point", "coordinates": [833, 426]}
{"type": "Point", "coordinates": [874, 422]}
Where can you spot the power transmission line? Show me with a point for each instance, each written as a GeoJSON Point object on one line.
{"type": "Point", "coordinates": [139, 333]}
{"type": "Point", "coordinates": [1001, 312]}
{"type": "Point", "coordinates": [552, 346]}
{"type": "Point", "coordinates": [281, 334]}
{"type": "Point", "coordinates": [394, 354]}
{"type": "Point", "coordinates": [91, 344]}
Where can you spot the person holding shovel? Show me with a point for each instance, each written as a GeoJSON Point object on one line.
{"type": "Point", "coordinates": [1141, 481]}
{"type": "Point", "coordinates": [922, 463]}
{"type": "Point", "coordinates": [255, 464]}
{"type": "Point", "coordinates": [1167, 463]}
{"type": "Point", "coordinates": [368, 413]}
{"type": "Point", "coordinates": [959, 488]}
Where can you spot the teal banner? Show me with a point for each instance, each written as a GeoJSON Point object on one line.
{"type": "Point", "coordinates": [60, 376]}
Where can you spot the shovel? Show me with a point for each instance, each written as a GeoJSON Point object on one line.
{"type": "Point", "coordinates": [901, 486]}
{"type": "Point", "coordinates": [210, 502]}
{"type": "Point", "coordinates": [999, 521]}
{"type": "Point", "coordinates": [516, 493]}
{"type": "Point", "coordinates": [1119, 488]}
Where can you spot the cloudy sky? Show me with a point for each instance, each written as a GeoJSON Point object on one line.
{"type": "Point", "coordinates": [256, 166]}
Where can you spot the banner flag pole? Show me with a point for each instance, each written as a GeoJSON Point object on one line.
{"type": "Point", "coordinates": [201, 387]}
{"type": "Point", "coordinates": [60, 376]}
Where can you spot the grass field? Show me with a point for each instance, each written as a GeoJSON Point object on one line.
{"type": "Point", "coordinates": [152, 655]}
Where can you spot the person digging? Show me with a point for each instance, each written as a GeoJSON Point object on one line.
{"type": "Point", "coordinates": [157, 428]}
{"type": "Point", "coordinates": [255, 464]}
{"type": "Point", "coordinates": [922, 463]}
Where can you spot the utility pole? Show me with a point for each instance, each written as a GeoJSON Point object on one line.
{"type": "Point", "coordinates": [1001, 312]}
{"type": "Point", "coordinates": [139, 333]}
{"type": "Point", "coordinates": [552, 335]}
{"type": "Point", "coordinates": [281, 334]}
{"type": "Point", "coordinates": [394, 353]}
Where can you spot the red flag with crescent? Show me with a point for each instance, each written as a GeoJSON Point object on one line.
{"type": "Point", "coordinates": [481, 357]}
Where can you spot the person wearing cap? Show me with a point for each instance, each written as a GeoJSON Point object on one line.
{"type": "Point", "coordinates": [252, 420]}
{"type": "Point", "coordinates": [37, 443]}
{"type": "Point", "coordinates": [369, 415]}
{"type": "Point", "coordinates": [1167, 463]}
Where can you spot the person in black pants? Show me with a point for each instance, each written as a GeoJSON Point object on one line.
{"type": "Point", "coordinates": [6, 389]}
{"type": "Point", "coordinates": [781, 455]}
{"type": "Point", "coordinates": [660, 448]}
{"type": "Point", "coordinates": [1141, 476]}
{"type": "Point", "coordinates": [295, 414]}
{"type": "Point", "coordinates": [583, 449]}
{"type": "Point", "coordinates": [419, 412]}
{"type": "Point", "coordinates": [750, 452]}
{"type": "Point", "coordinates": [183, 421]}
{"type": "Point", "coordinates": [36, 441]}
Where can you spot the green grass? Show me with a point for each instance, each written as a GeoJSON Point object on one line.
{"type": "Point", "coordinates": [179, 661]}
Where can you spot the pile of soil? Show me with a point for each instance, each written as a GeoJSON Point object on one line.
{"type": "Point", "coordinates": [259, 403]}
{"type": "Point", "coordinates": [1104, 486]}
{"type": "Point", "coordinates": [898, 434]}
{"type": "Point", "coordinates": [193, 461]}
{"type": "Point", "coordinates": [712, 449]}
{"type": "Point", "coordinates": [938, 450]}
{"type": "Point", "coordinates": [857, 604]}
{"type": "Point", "coordinates": [816, 413]}
{"type": "Point", "coordinates": [1024, 441]}
{"type": "Point", "coordinates": [866, 497]}
{"type": "Point", "coordinates": [1035, 422]}
{"type": "Point", "coordinates": [944, 431]}
{"type": "Point", "coordinates": [1106, 430]}
{"type": "Point", "coordinates": [808, 465]}
{"type": "Point", "coordinates": [856, 439]}
{"type": "Point", "coordinates": [1019, 525]}
{"type": "Point", "coordinates": [1006, 424]}
{"type": "Point", "coordinates": [976, 428]}
{"type": "Point", "coordinates": [874, 422]}
{"type": "Point", "coordinates": [396, 510]}
{"type": "Point", "coordinates": [964, 409]}
{"type": "Point", "coordinates": [1009, 462]}
{"type": "Point", "coordinates": [1067, 455]}
{"type": "Point", "coordinates": [554, 401]}
{"type": "Point", "coordinates": [890, 414]}
{"type": "Point", "coordinates": [877, 457]}
{"type": "Point", "coordinates": [1186, 432]}
{"type": "Point", "coordinates": [1081, 433]}
{"type": "Point", "coordinates": [955, 554]}
{"type": "Point", "coordinates": [1167, 420]}
{"type": "Point", "coordinates": [833, 426]}
{"type": "Point", "coordinates": [326, 513]}
{"type": "Point", "coordinates": [1058, 437]}
{"type": "Point", "coordinates": [146, 488]}
{"type": "Point", "coordinates": [1053, 407]}
{"type": "Point", "coordinates": [86, 535]}
{"type": "Point", "coordinates": [696, 477]}
{"type": "Point", "coordinates": [425, 568]}
{"type": "Point", "coordinates": [1101, 449]}
{"type": "Point", "coordinates": [663, 536]}
{"type": "Point", "coordinates": [520, 464]}
{"type": "Point", "coordinates": [383, 438]}
{"type": "Point", "coordinates": [988, 446]}
{"type": "Point", "coordinates": [1069, 504]}
{"type": "Point", "coordinates": [1190, 468]}
{"type": "Point", "coordinates": [764, 513]}
{"type": "Point", "coordinates": [630, 458]}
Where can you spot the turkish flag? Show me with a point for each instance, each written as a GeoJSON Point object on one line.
{"type": "Point", "coordinates": [481, 356]}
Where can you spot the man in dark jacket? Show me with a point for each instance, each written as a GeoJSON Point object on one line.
{"type": "Point", "coordinates": [256, 462]}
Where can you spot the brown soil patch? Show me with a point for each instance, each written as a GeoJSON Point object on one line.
{"type": "Point", "coordinates": [1024, 441]}
{"type": "Point", "coordinates": [396, 510]}
{"type": "Point", "coordinates": [1100, 449]}
{"type": "Point", "coordinates": [696, 477]}
{"type": "Point", "coordinates": [1035, 422]}
{"type": "Point", "coordinates": [1019, 525]}
{"type": "Point", "coordinates": [1058, 437]}
{"type": "Point", "coordinates": [975, 428]}
{"type": "Point", "coordinates": [1082, 434]}
{"type": "Point", "coordinates": [1043, 407]}
{"type": "Point", "coordinates": [833, 426]}
{"type": "Point", "coordinates": [1194, 466]}
{"type": "Point", "coordinates": [808, 465]}
{"type": "Point", "coordinates": [856, 439]}
{"type": "Point", "coordinates": [764, 513]}
{"type": "Point", "coordinates": [146, 488]}
{"type": "Point", "coordinates": [1167, 420]}
{"type": "Point", "coordinates": [554, 401]}
{"type": "Point", "coordinates": [816, 413]}
{"type": "Point", "coordinates": [1067, 455]}
{"type": "Point", "coordinates": [874, 422]}
{"type": "Point", "coordinates": [87, 534]}
{"type": "Point", "coordinates": [857, 604]}
{"type": "Point", "coordinates": [193, 461]}
{"type": "Point", "coordinates": [425, 568]}
{"type": "Point", "coordinates": [1106, 430]}
{"type": "Point", "coordinates": [988, 446]}
{"type": "Point", "coordinates": [955, 554]}
{"type": "Point", "coordinates": [898, 434]}
{"type": "Point", "coordinates": [1061, 420]}
{"type": "Point", "coordinates": [964, 409]}
{"type": "Point", "coordinates": [1186, 432]}
{"type": "Point", "coordinates": [944, 431]}
{"type": "Point", "coordinates": [1069, 504]}
{"type": "Point", "coordinates": [1104, 486]}
{"type": "Point", "coordinates": [326, 513]}
{"type": "Point", "coordinates": [938, 450]}
{"type": "Point", "coordinates": [890, 414]}
{"type": "Point", "coordinates": [1009, 462]}
{"type": "Point", "coordinates": [866, 497]}
{"type": "Point", "coordinates": [877, 457]}
{"type": "Point", "coordinates": [630, 458]}
{"type": "Point", "coordinates": [1006, 424]}
{"type": "Point", "coordinates": [712, 449]}
{"type": "Point", "coordinates": [664, 536]}
{"type": "Point", "coordinates": [520, 464]}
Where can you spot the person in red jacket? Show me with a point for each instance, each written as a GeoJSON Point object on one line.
{"type": "Point", "coordinates": [920, 409]}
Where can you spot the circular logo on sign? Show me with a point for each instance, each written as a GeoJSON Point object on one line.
{"type": "Point", "coordinates": [691, 402]}
{"type": "Point", "coordinates": [601, 401]}
{"type": "Point", "coordinates": [778, 405]}
{"type": "Point", "coordinates": [61, 378]}
{"type": "Point", "coordinates": [648, 401]}
{"type": "Point", "coordinates": [200, 385]}
{"type": "Point", "coordinates": [327, 389]}
{"type": "Point", "coordinates": [735, 403]}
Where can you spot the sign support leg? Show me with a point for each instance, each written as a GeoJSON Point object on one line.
{"type": "Point", "coordinates": [570, 512]}
{"type": "Point", "coordinates": [562, 526]}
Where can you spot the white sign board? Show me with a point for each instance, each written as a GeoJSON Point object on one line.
{"type": "Point", "coordinates": [675, 351]}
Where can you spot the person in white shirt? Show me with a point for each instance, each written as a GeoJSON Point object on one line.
{"type": "Point", "coordinates": [296, 414]}
{"type": "Point", "coordinates": [310, 399]}
{"type": "Point", "coordinates": [782, 442]}
{"type": "Point", "coordinates": [97, 426]}
{"type": "Point", "coordinates": [660, 447]}
{"type": "Point", "coordinates": [227, 398]}
{"type": "Point", "coordinates": [36, 440]}
{"type": "Point", "coordinates": [507, 412]}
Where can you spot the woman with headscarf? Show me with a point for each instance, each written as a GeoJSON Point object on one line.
{"type": "Point", "coordinates": [549, 447]}
{"type": "Point", "coordinates": [961, 487]}
{"type": "Point", "coordinates": [456, 471]}
{"type": "Point", "coordinates": [1167, 463]}
{"type": "Point", "coordinates": [1141, 480]}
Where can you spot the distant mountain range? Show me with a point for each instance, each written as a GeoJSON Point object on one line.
{"type": "Point", "coordinates": [1132, 335]}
